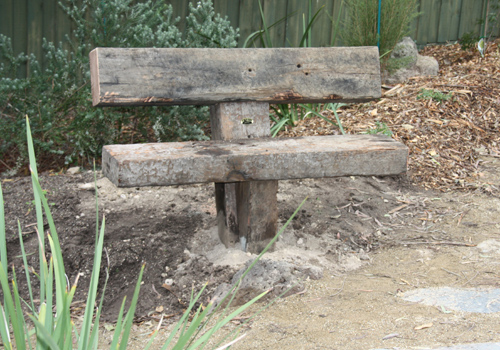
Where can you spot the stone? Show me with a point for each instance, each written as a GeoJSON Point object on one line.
{"type": "Point", "coordinates": [479, 300]}
{"type": "Point", "coordinates": [405, 62]}
{"type": "Point", "coordinates": [490, 246]}
{"type": "Point", "coordinates": [73, 170]}
{"type": "Point", "coordinates": [406, 48]}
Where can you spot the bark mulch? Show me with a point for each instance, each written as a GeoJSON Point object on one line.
{"type": "Point", "coordinates": [447, 121]}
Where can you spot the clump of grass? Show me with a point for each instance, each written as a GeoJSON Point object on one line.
{"type": "Point", "coordinates": [45, 329]}
{"type": "Point", "coordinates": [392, 64]}
{"type": "Point", "coordinates": [430, 94]}
{"type": "Point", "coordinates": [360, 28]}
{"type": "Point", "coordinates": [380, 128]}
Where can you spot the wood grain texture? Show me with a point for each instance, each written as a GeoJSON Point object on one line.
{"type": "Point", "coordinates": [148, 76]}
{"type": "Point", "coordinates": [174, 163]}
{"type": "Point", "coordinates": [240, 214]}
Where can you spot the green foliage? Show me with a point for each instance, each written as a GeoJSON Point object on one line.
{"type": "Point", "coordinates": [360, 28]}
{"type": "Point", "coordinates": [392, 64]}
{"type": "Point", "coordinates": [490, 24]}
{"type": "Point", "coordinates": [289, 114]}
{"type": "Point", "coordinates": [434, 95]}
{"type": "Point", "coordinates": [57, 95]}
{"type": "Point", "coordinates": [52, 323]}
{"type": "Point", "coordinates": [380, 128]}
{"type": "Point", "coordinates": [468, 40]}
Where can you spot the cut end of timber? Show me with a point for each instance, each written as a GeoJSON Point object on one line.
{"type": "Point", "coordinates": [94, 76]}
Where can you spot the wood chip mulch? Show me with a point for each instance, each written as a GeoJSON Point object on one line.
{"type": "Point", "coordinates": [446, 136]}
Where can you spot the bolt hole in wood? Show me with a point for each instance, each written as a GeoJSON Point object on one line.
{"type": "Point", "coordinates": [299, 66]}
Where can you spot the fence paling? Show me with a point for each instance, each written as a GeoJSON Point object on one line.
{"type": "Point", "coordinates": [28, 21]}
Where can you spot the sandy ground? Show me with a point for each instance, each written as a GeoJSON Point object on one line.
{"type": "Point", "coordinates": [358, 304]}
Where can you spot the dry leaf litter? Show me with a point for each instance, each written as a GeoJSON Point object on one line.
{"type": "Point", "coordinates": [446, 135]}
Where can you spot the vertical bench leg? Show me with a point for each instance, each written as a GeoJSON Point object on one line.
{"type": "Point", "coordinates": [248, 211]}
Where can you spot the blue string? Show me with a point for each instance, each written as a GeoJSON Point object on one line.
{"type": "Point", "coordinates": [378, 25]}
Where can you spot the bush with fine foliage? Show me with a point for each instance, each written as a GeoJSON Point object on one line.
{"type": "Point", "coordinates": [56, 95]}
{"type": "Point", "coordinates": [360, 28]}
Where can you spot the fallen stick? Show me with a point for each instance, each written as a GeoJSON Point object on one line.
{"type": "Point", "coordinates": [443, 243]}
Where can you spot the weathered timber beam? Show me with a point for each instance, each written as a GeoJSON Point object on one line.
{"type": "Point", "coordinates": [163, 76]}
{"type": "Point", "coordinates": [174, 163]}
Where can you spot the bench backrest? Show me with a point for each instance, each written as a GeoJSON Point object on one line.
{"type": "Point", "coordinates": [141, 77]}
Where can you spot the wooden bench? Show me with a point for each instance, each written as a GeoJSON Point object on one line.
{"type": "Point", "coordinates": [242, 160]}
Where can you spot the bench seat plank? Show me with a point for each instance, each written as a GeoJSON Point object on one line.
{"type": "Point", "coordinates": [175, 163]}
{"type": "Point", "coordinates": [163, 76]}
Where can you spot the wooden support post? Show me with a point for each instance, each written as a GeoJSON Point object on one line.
{"type": "Point", "coordinates": [246, 212]}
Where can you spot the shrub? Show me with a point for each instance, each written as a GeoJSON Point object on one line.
{"type": "Point", "coordinates": [360, 29]}
{"type": "Point", "coordinates": [57, 97]}
{"type": "Point", "coordinates": [468, 40]}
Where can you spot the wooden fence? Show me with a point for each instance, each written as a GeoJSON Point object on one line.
{"type": "Point", "coordinates": [28, 21]}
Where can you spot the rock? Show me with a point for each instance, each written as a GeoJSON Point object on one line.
{"type": "Point", "coordinates": [87, 186]}
{"type": "Point", "coordinates": [490, 246]}
{"type": "Point", "coordinates": [405, 62]}
{"type": "Point", "coordinates": [73, 170]}
{"type": "Point", "coordinates": [275, 276]}
{"type": "Point", "coordinates": [406, 48]}
{"type": "Point", "coordinates": [169, 282]}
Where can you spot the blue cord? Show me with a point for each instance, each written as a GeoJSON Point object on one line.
{"type": "Point", "coordinates": [378, 25]}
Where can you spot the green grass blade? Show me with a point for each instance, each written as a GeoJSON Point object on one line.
{"type": "Point", "coordinates": [59, 276]}
{"type": "Point", "coordinates": [66, 319]}
{"type": "Point", "coordinates": [94, 336]}
{"type": "Point", "coordinates": [192, 329]}
{"type": "Point", "coordinates": [227, 319]}
{"type": "Point", "coordinates": [38, 206]}
{"type": "Point", "coordinates": [335, 30]}
{"type": "Point", "coordinates": [94, 280]}
{"type": "Point", "coordinates": [48, 321]}
{"type": "Point", "coordinates": [308, 28]}
{"type": "Point", "coordinates": [309, 14]}
{"type": "Point", "coordinates": [151, 340]}
{"type": "Point", "coordinates": [3, 240]}
{"type": "Point", "coordinates": [62, 333]}
{"type": "Point", "coordinates": [43, 335]}
{"type": "Point", "coordinates": [26, 266]}
{"type": "Point", "coordinates": [339, 124]}
{"type": "Point", "coordinates": [9, 305]}
{"type": "Point", "coordinates": [4, 329]}
{"type": "Point", "coordinates": [183, 320]}
{"type": "Point", "coordinates": [19, 311]}
{"type": "Point", "coordinates": [89, 335]}
{"type": "Point", "coordinates": [259, 34]}
{"type": "Point", "coordinates": [131, 311]}
{"type": "Point", "coordinates": [278, 126]}
{"type": "Point", "coordinates": [268, 40]}
{"type": "Point", "coordinates": [96, 208]}
{"type": "Point", "coordinates": [118, 328]}
{"type": "Point", "coordinates": [3, 252]}
{"type": "Point", "coordinates": [252, 37]}
{"type": "Point", "coordinates": [262, 309]}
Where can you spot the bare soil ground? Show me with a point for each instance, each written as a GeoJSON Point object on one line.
{"type": "Point", "coordinates": [373, 237]}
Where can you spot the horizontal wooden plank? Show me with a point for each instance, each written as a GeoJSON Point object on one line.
{"type": "Point", "coordinates": [165, 76]}
{"type": "Point", "coordinates": [174, 163]}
